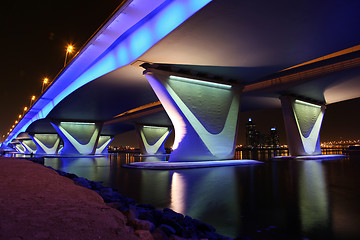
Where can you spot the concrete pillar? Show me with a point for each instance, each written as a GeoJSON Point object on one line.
{"type": "Point", "coordinates": [18, 146]}
{"type": "Point", "coordinates": [29, 145]}
{"type": "Point", "coordinates": [204, 114]}
{"type": "Point", "coordinates": [80, 138]}
{"type": "Point", "coordinates": [46, 143]}
{"type": "Point", "coordinates": [103, 143]}
{"type": "Point", "coordinates": [152, 139]}
{"type": "Point", "coordinates": [302, 123]}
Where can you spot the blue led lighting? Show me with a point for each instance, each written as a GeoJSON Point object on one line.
{"type": "Point", "coordinates": [131, 45]}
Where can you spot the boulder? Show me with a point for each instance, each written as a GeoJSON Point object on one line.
{"type": "Point", "coordinates": [144, 234]}
{"type": "Point", "coordinates": [143, 225]}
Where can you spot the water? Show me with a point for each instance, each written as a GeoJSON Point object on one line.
{"type": "Point", "coordinates": [284, 199]}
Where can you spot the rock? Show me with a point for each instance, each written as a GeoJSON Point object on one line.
{"type": "Point", "coordinates": [114, 205]}
{"type": "Point", "coordinates": [168, 230]}
{"type": "Point", "coordinates": [170, 214]}
{"type": "Point", "coordinates": [81, 182]}
{"type": "Point", "coordinates": [143, 225]}
{"type": "Point", "coordinates": [174, 237]}
{"type": "Point", "coordinates": [159, 234]}
{"type": "Point", "coordinates": [147, 215]}
{"type": "Point", "coordinates": [175, 225]}
{"type": "Point", "coordinates": [214, 235]}
{"type": "Point", "coordinates": [130, 215]}
{"type": "Point", "coordinates": [71, 175]}
{"type": "Point", "coordinates": [144, 234]}
{"type": "Point", "coordinates": [108, 195]}
{"type": "Point", "coordinates": [157, 215]}
{"type": "Point", "coordinates": [96, 185]}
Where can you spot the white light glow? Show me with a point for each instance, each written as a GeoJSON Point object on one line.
{"type": "Point", "coordinates": [306, 103]}
{"type": "Point", "coordinates": [155, 127]}
{"type": "Point", "coordinates": [201, 82]}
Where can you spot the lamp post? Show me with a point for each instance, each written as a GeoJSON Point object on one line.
{"type": "Point", "coordinates": [31, 100]}
{"type": "Point", "coordinates": [45, 81]}
{"type": "Point", "coordinates": [25, 109]}
{"type": "Point", "coordinates": [69, 49]}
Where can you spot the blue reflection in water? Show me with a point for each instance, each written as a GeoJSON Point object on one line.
{"type": "Point", "coordinates": [95, 169]}
{"type": "Point", "coordinates": [286, 199]}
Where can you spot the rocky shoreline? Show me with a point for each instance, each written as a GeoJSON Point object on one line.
{"type": "Point", "coordinates": [145, 220]}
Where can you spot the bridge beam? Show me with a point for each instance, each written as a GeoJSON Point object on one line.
{"type": "Point", "coordinates": [80, 138]}
{"type": "Point", "coordinates": [103, 143]}
{"type": "Point", "coordinates": [46, 143]}
{"type": "Point", "coordinates": [204, 114]}
{"type": "Point", "coordinates": [152, 139]}
{"type": "Point", "coordinates": [302, 124]}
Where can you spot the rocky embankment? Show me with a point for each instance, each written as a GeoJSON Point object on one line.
{"type": "Point", "coordinates": [145, 220]}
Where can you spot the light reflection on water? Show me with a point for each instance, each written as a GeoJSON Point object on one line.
{"type": "Point", "coordinates": [291, 197]}
{"type": "Point", "coordinates": [314, 205]}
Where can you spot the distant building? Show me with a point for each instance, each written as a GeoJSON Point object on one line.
{"type": "Point", "coordinates": [251, 134]}
{"type": "Point", "coordinates": [274, 140]}
{"type": "Point", "coordinates": [256, 139]}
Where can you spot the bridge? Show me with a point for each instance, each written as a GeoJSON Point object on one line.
{"type": "Point", "coordinates": [192, 66]}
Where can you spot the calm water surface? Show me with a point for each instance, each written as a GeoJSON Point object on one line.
{"type": "Point", "coordinates": [283, 199]}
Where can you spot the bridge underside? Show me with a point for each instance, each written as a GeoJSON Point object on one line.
{"type": "Point", "coordinates": [231, 42]}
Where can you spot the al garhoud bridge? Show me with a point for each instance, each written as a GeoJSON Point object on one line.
{"type": "Point", "coordinates": [194, 65]}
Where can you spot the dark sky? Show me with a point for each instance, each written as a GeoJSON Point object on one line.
{"type": "Point", "coordinates": [34, 35]}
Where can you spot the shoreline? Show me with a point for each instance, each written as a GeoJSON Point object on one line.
{"type": "Point", "coordinates": [144, 220]}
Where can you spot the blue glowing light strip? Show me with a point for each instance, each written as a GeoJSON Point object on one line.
{"type": "Point", "coordinates": [129, 46]}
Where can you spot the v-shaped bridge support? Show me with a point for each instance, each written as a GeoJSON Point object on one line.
{"type": "Point", "coordinates": [152, 139]}
{"type": "Point", "coordinates": [46, 143]}
{"type": "Point", "coordinates": [204, 114]}
{"type": "Point", "coordinates": [302, 123]}
{"type": "Point", "coordinates": [80, 138]}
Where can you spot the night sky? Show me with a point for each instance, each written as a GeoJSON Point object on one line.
{"type": "Point", "coordinates": [33, 41]}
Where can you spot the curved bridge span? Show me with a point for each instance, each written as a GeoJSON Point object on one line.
{"type": "Point", "coordinates": [193, 66]}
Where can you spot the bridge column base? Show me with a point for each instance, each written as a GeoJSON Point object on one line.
{"type": "Point", "coordinates": [302, 124]}
{"type": "Point", "coordinates": [204, 115]}
{"type": "Point", "coordinates": [18, 146]}
{"type": "Point", "coordinates": [103, 143]}
{"type": "Point", "coordinates": [29, 145]}
{"type": "Point", "coordinates": [46, 143]}
{"type": "Point", "coordinates": [152, 139]}
{"type": "Point", "coordinates": [80, 138]}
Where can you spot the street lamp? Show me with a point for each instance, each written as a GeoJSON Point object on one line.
{"type": "Point", "coordinates": [45, 81]}
{"type": "Point", "coordinates": [31, 100]}
{"type": "Point", "coordinates": [69, 49]}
